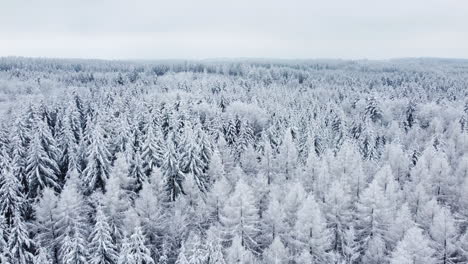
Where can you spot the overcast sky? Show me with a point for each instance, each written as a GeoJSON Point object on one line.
{"type": "Point", "coordinates": [196, 29]}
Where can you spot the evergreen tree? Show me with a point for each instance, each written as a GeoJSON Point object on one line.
{"type": "Point", "coordinates": [372, 225]}
{"type": "Point", "coordinates": [42, 257]}
{"type": "Point", "coordinates": [276, 253]}
{"type": "Point", "coordinates": [287, 157]}
{"type": "Point", "coordinates": [150, 213]}
{"type": "Point", "coordinates": [413, 249]}
{"type": "Point", "coordinates": [102, 249]}
{"type": "Point", "coordinates": [97, 168]}
{"type": "Point", "coordinates": [138, 253]}
{"type": "Point", "coordinates": [73, 250]}
{"type": "Point", "coordinates": [11, 197]}
{"type": "Point", "coordinates": [41, 167]}
{"type": "Point", "coordinates": [71, 225]}
{"type": "Point", "coordinates": [214, 247]}
{"type": "Point", "coordinates": [19, 244]}
{"type": "Point", "coordinates": [338, 211]}
{"type": "Point", "coordinates": [182, 258]}
{"type": "Point", "coordinates": [444, 233]}
{"type": "Point", "coordinates": [172, 173]}
{"type": "Point", "coordinates": [152, 149]}
{"type": "Point", "coordinates": [237, 253]}
{"type": "Point", "coordinates": [311, 232]}
{"type": "Point", "coordinates": [240, 216]}
{"type": "Point", "coordinates": [46, 217]}
{"type": "Point", "coordinates": [191, 161]}
{"type": "Point", "coordinates": [137, 172]}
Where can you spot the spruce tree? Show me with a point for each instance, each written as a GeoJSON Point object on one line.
{"type": "Point", "coordinates": [240, 216]}
{"type": "Point", "coordinates": [172, 173]}
{"type": "Point", "coordinates": [97, 168]}
{"type": "Point", "coordinates": [41, 167]}
{"type": "Point", "coordinates": [413, 249]}
{"type": "Point", "coordinates": [19, 244]}
{"type": "Point", "coordinates": [138, 253]}
{"type": "Point", "coordinates": [102, 249]}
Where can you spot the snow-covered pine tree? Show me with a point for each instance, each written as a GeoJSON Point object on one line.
{"type": "Point", "coordinates": [11, 196]}
{"type": "Point", "coordinates": [214, 246]}
{"type": "Point", "coordinates": [310, 231]}
{"type": "Point", "coordinates": [45, 219]}
{"type": "Point", "coordinates": [172, 172]}
{"type": "Point", "coordinates": [373, 217]}
{"type": "Point", "coordinates": [19, 244]}
{"type": "Point", "coordinates": [137, 252]}
{"type": "Point", "coordinates": [149, 209]}
{"type": "Point", "coordinates": [191, 160]}
{"type": "Point", "coordinates": [237, 253]}
{"type": "Point", "coordinates": [287, 157]}
{"type": "Point", "coordinates": [42, 257]}
{"type": "Point", "coordinates": [276, 253]}
{"type": "Point", "coordinates": [414, 248]}
{"type": "Point", "coordinates": [152, 148]}
{"type": "Point", "coordinates": [137, 172]}
{"type": "Point", "coordinates": [101, 248]}
{"type": "Point", "coordinates": [72, 223]}
{"type": "Point", "coordinates": [240, 216]}
{"type": "Point", "coordinates": [97, 168]}
{"type": "Point", "coordinates": [338, 211]}
{"type": "Point", "coordinates": [41, 166]}
{"type": "Point", "coordinates": [444, 233]}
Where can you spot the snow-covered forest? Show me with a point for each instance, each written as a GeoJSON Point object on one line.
{"type": "Point", "coordinates": [241, 161]}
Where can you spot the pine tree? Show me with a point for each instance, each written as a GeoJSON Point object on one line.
{"type": "Point", "coordinates": [216, 198]}
{"type": "Point", "coordinates": [4, 252]}
{"type": "Point", "coordinates": [138, 253]}
{"type": "Point", "coordinates": [249, 161]}
{"type": "Point", "coordinates": [372, 222]}
{"type": "Point", "coordinates": [348, 166]}
{"type": "Point", "coordinates": [172, 173]}
{"type": "Point", "coordinates": [73, 250]}
{"type": "Point", "coordinates": [215, 168]}
{"type": "Point", "coordinates": [19, 244]}
{"type": "Point", "coordinates": [137, 172]}
{"type": "Point", "coordinates": [11, 197]}
{"type": "Point", "coordinates": [402, 223]}
{"type": "Point", "coordinates": [152, 149]}
{"type": "Point", "coordinates": [311, 232]}
{"type": "Point", "coordinates": [338, 211]}
{"type": "Point", "coordinates": [267, 161]}
{"type": "Point", "coordinates": [413, 249]}
{"type": "Point", "coordinates": [273, 221]}
{"type": "Point", "coordinates": [197, 253]}
{"type": "Point", "coordinates": [191, 162]}
{"type": "Point", "coordinates": [115, 202]}
{"type": "Point", "coordinates": [150, 212]}
{"type": "Point", "coordinates": [42, 257]}
{"type": "Point", "coordinates": [276, 253]}
{"type": "Point", "coordinates": [237, 253]}
{"type": "Point", "coordinates": [240, 216]}
{"type": "Point", "coordinates": [45, 211]}
{"type": "Point", "coordinates": [182, 258]}
{"type": "Point", "coordinates": [124, 253]}
{"type": "Point", "coordinates": [293, 200]}
{"type": "Point", "coordinates": [41, 167]}
{"type": "Point", "coordinates": [102, 249]}
{"type": "Point", "coordinates": [287, 157]}
{"type": "Point", "coordinates": [71, 224]}
{"type": "Point", "coordinates": [215, 249]}
{"type": "Point", "coordinates": [97, 168]}
{"type": "Point", "coordinates": [443, 231]}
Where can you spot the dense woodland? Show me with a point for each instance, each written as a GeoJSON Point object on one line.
{"type": "Point", "coordinates": [241, 161]}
